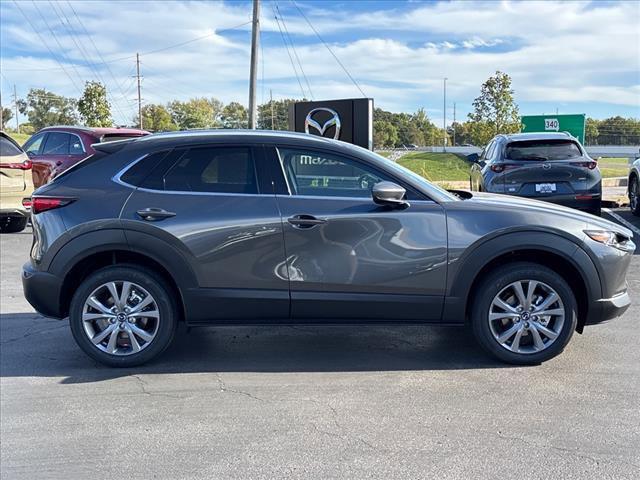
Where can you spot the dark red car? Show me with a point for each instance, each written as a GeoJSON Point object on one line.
{"type": "Point", "coordinates": [54, 149]}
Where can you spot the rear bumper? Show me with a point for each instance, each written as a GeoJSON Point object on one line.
{"type": "Point", "coordinates": [14, 212]}
{"type": "Point", "coordinates": [608, 308]}
{"type": "Point", "coordinates": [42, 290]}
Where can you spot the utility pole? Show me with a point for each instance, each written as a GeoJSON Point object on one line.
{"type": "Point", "coordinates": [15, 102]}
{"type": "Point", "coordinates": [444, 117]}
{"type": "Point", "coordinates": [139, 97]}
{"type": "Point", "coordinates": [271, 103]}
{"type": "Point", "coordinates": [253, 75]}
{"type": "Point", "coordinates": [454, 124]}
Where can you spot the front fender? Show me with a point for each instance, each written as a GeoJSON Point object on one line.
{"type": "Point", "coordinates": [465, 270]}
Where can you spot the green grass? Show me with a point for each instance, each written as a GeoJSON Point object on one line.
{"type": "Point", "coordinates": [614, 167]}
{"type": "Point", "coordinates": [384, 154]}
{"type": "Point", "coordinates": [19, 137]}
{"type": "Point", "coordinates": [437, 166]}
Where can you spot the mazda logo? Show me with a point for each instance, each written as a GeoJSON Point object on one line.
{"type": "Point", "coordinates": [334, 120]}
{"type": "Point", "coordinates": [546, 166]}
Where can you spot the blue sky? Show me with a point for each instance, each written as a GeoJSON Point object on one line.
{"type": "Point", "coordinates": [576, 57]}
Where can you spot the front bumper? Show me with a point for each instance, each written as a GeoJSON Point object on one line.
{"type": "Point", "coordinates": [608, 308]}
{"type": "Point", "coordinates": [42, 290]}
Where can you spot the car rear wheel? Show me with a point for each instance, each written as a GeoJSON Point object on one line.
{"type": "Point", "coordinates": [12, 224]}
{"type": "Point", "coordinates": [634, 196]}
{"type": "Point", "coordinates": [123, 316]}
{"type": "Point", "coordinates": [524, 313]}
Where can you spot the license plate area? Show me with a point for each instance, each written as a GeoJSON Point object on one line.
{"type": "Point", "coordinates": [545, 187]}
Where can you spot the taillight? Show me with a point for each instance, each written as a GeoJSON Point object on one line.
{"type": "Point", "coordinates": [589, 165]}
{"type": "Point", "coordinates": [26, 165]}
{"type": "Point", "coordinates": [26, 202]}
{"type": "Point", "coordinates": [42, 204]}
{"type": "Point", "coordinates": [501, 167]}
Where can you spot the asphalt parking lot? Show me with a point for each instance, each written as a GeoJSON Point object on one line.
{"type": "Point", "coordinates": [314, 402]}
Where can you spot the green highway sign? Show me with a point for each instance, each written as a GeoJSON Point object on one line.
{"type": "Point", "coordinates": [574, 124]}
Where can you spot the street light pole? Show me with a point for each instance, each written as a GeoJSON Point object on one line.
{"type": "Point", "coordinates": [253, 78]}
{"type": "Point", "coordinates": [444, 117]}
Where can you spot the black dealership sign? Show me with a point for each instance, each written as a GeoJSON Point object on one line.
{"type": "Point", "coordinates": [349, 120]}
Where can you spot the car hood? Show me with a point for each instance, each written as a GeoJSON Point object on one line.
{"type": "Point", "coordinates": [542, 208]}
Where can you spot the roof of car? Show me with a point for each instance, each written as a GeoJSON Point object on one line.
{"type": "Point", "coordinates": [97, 130]}
{"type": "Point", "coordinates": [241, 136]}
{"type": "Point", "coordinates": [538, 136]}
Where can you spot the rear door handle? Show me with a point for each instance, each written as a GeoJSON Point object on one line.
{"type": "Point", "coordinates": [154, 214]}
{"type": "Point", "coordinates": [305, 221]}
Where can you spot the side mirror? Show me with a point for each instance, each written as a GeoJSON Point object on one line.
{"type": "Point", "coordinates": [388, 193]}
{"type": "Point", "coordinates": [474, 157]}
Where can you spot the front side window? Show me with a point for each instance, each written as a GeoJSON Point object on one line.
{"type": "Point", "coordinates": [33, 144]}
{"type": "Point", "coordinates": [543, 150]}
{"type": "Point", "coordinates": [328, 175]}
{"type": "Point", "coordinates": [57, 144]}
{"type": "Point", "coordinates": [214, 169]}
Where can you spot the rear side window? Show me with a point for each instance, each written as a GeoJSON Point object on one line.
{"type": "Point", "coordinates": [140, 174]}
{"type": "Point", "coordinates": [56, 144]}
{"type": "Point", "coordinates": [543, 150]}
{"type": "Point", "coordinates": [219, 170]}
{"type": "Point", "coordinates": [8, 149]}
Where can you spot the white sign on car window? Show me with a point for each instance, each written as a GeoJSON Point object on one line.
{"type": "Point", "coordinates": [551, 124]}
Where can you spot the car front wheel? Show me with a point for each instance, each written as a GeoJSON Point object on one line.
{"type": "Point", "coordinates": [123, 316]}
{"type": "Point", "coordinates": [524, 313]}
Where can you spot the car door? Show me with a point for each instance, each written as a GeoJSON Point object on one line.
{"type": "Point", "coordinates": [349, 258]}
{"type": "Point", "coordinates": [213, 204]}
{"type": "Point", "coordinates": [33, 149]}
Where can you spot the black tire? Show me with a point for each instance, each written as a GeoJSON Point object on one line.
{"type": "Point", "coordinates": [151, 282]}
{"type": "Point", "coordinates": [12, 224]}
{"type": "Point", "coordinates": [634, 190]}
{"type": "Point", "coordinates": [494, 283]}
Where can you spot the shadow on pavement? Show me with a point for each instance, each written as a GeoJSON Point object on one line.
{"type": "Point", "coordinates": [31, 345]}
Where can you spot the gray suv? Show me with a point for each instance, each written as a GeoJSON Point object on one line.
{"type": "Point", "coordinates": [265, 228]}
{"type": "Point", "coordinates": [553, 167]}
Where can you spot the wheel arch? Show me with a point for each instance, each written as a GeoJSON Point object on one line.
{"type": "Point", "coordinates": [89, 252]}
{"type": "Point", "coordinates": [553, 251]}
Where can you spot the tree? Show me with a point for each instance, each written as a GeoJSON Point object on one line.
{"type": "Point", "coordinates": [44, 108]}
{"type": "Point", "coordinates": [234, 115]}
{"type": "Point", "coordinates": [7, 115]}
{"type": "Point", "coordinates": [280, 113]}
{"type": "Point", "coordinates": [156, 118]}
{"type": "Point", "coordinates": [591, 131]}
{"type": "Point", "coordinates": [196, 113]}
{"type": "Point", "coordinates": [385, 134]}
{"type": "Point", "coordinates": [495, 110]}
{"type": "Point", "coordinates": [94, 107]}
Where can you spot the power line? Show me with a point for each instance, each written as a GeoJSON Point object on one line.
{"type": "Point", "coordinates": [293, 47]}
{"type": "Point", "coordinates": [45, 43]}
{"type": "Point", "coordinates": [329, 48]}
{"type": "Point", "coordinates": [286, 46]}
{"type": "Point", "coordinates": [129, 57]}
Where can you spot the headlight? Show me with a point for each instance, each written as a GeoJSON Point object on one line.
{"type": "Point", "coordinates": [612, 239]}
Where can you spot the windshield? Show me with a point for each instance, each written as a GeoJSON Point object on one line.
{"type": "Point", "coordinates": [543, 150]}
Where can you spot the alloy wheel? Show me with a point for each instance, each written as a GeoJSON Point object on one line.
{"type": "Point", "coordinates": [120, 318]}
{"type": "Point", "coordinates": [634, 193]}
{"type": "Point", "coordinates": [526, 316]}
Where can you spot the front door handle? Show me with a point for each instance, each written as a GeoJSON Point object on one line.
{"type": "Point", "coordinates": [305, 221]}
{"type": "Point", "coordinates": [154, 214]}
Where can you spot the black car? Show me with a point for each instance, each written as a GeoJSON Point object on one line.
{"type": "Point", "coordinates": [553, 167]}
{"type": "Point", "coordinates": [223, 228]}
